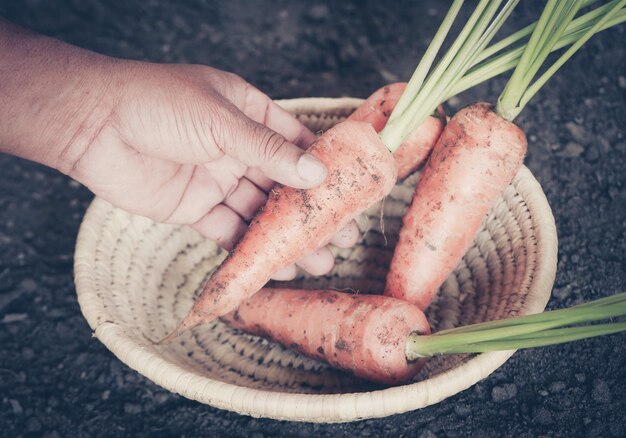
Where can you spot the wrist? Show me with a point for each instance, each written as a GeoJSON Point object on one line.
{"type": "Point", "coordinates": [54, 98]}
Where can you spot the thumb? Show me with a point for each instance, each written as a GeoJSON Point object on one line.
{"type": "Point", "coordinates": [255, 145]}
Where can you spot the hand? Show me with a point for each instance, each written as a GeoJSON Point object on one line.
{"type": "Point", "coordinates": [194, 145]}
{"type": "Point", "coordinates": [180, 144]}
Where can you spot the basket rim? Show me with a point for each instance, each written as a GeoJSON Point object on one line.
{"type": "Point", "coordinates": [328, 408]}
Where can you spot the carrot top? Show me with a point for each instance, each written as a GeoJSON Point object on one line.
{"type": "Point", "coordinates": [548, 328]}
{"type": "Point", "coordinates": [425, 91]}
{"type": "Point", "coordinates": [556, 18]}
{"type": "Point", "coordinates": [470, 62]}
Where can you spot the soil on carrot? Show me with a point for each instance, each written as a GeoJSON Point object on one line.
{"type": "Point", "coordinates": [56, 380]}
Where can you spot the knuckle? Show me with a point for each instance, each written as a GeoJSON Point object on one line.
{"type": "Point", "coordinates": [272, 146]}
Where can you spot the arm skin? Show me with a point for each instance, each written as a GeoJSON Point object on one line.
{"type": "Point", "coordinates": [183, 144]}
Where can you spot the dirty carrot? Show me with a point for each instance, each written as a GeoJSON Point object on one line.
{"type": "Point", "coordinates": [384, 340]}
{"type": "Point", "coordinates": [492, 61]}
{"type": "Point", "coordinates": [295, 222]}
{"type": "Point", "coordinates": [362, 334]}
{"type": "Point", "coordinates": [361, 171]}
{"type": "Point", "coordinates": [476, 157]}
{"type": "Point", "coordinates": [414, 150]}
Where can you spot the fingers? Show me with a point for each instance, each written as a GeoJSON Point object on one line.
{"type": "Point", "coordinates": [260, 108]}
{"type": "Point", "coordinates": [223, 225]}
{"type": "Point", "coordinates": [259, 179]}
{"type": "Point", "coordinates": [246, 199]}
{"type": "Point", "coordinates": [286, 274]}
{"type": "Point", "coordinates": [272, 144]}
{"type": "Point", "coordinates": [226, 227]}
{"type": "Point", "coordinates": [258, 146]}
{"type": "Point", "coordinates": [347, 237]}
{"type": "Point", "coordinates": [319, 262]}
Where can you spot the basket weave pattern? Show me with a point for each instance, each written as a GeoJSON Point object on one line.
{"type": "Point", "coordinates": [137, 279]}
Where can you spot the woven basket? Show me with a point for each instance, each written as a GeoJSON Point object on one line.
{"type": "Point", "coordinates": [137, 279]}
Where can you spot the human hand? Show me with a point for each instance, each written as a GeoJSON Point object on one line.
{"type": "Point", "coordinates": [181, 144]}
{"type": "Point", "coordinates": [189, 144]}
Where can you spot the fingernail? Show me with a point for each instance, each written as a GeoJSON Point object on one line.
{"type": "Point", "coordinates": [310, 168]}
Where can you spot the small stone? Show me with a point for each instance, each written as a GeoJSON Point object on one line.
{"type": "Point", "coordinates": [562, 292]}
{"type": "Point", "coordinates": [504, 392]}
{"type": "Point", "coordinates": [543, 393]}
{"type": "Point", "coordinates": [577, 131]}
{"type": "Point", "coordinates": [106, 394]}
{"type": "Point", "coordinates": [427, 434]}
{"type": "Point", "coordinates": [319, 12]}
{"type": "Point", "coordinates": [621, 80]}
{"type": "Point", "coordinates": [601, 392]}
{"type": "Point", "coordinates": [16, 407]}
{"type": "Point", "coordinates": [462, 410]}
{"type": "Point", "coordinates": [131, 408]}
{"type": "Point", "coordinates": [28, 353]}
{"type": "Point", "coordinates": [388, 76]}
{"type": "Point", "coordinates": [13, 317]}
{"type": "Point", "coordinates": [543, 416]}
{"type": "Point", "coordinates": [454, 102]}
{"type": "Point", "coordinates": [33, 425]}
{"type": "Point", "coordinates": [162, 398]}
{"type": "Point", "coordinates": [28, 285]}
{"type": "Point", "coordinates": [571, 150]}
{"type": "Point", "coordinates": [580, 377]}
{"type": "Point", "coordinates": [557, 387]}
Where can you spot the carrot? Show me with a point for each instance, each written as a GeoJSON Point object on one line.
{"type": "Point", "coordinates": [295, 222]}
{"type": "Point", "coordinates": [414, 150]}
{"type": "Point", "coordinates": [363, 334]}
{"type": "Point", "coordinates": [476, 157]}
{"type": "Point", "coordinates": [361, 170]}
{"type": "Point", "coordinates": [385, 340]}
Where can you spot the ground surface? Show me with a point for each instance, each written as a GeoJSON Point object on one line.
{"type": "Point", "coordinates": [56, 381]}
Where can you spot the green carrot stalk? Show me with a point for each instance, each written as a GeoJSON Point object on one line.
{"type": "Point", "coordinates": [548, 328]}
{"type": "Point", "coordinates": [556, 16]}
{"type": "Point", "coordinates": [426, 91]}
{"type": "Point", "coordinates": [470, 62]}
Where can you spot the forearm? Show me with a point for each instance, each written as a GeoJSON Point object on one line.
{"type": "Point", "coordinates": [53, 96]}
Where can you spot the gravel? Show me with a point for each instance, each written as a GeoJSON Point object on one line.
{"type": "Point", "coordinates": [56, 380]}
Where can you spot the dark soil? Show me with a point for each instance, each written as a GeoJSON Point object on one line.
{"type": "Point", "coordinates": [57, 381]}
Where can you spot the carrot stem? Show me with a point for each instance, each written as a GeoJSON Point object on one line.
{"type": "Point", "coordinates": [528, 331]}
{"type": "Point", "coordinates": [534, 88]}
{"type": "Point", "coordinates": [541, 339]}
{"type": "Point", "coordinates": [552, 26]}
{"type": "Point", "coordinates": [427, 60]}
{"type": "Point", "coordinates": [509, 59]}
{"type": "Point", "coordinates": [480, 28]}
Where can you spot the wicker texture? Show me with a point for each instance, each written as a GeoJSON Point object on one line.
{"type": "Point", "coordinates": [137, 279]}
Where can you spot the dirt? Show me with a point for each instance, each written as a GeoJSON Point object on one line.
{"type": "Point", "coordinates": [57, 381]}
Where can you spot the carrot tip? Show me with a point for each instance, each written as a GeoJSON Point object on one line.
{"type": "Point", "coordinates": [191, 320]}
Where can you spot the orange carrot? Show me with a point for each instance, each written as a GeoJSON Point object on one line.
{"type": "Point", "coordinates": [476, 157]}
{"type": "Point", "coordinates": [414, 150]}
{"type": "Point", "coordinates": [363, 334]}
{"type": "Point", "coordinates": [295, 222]}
